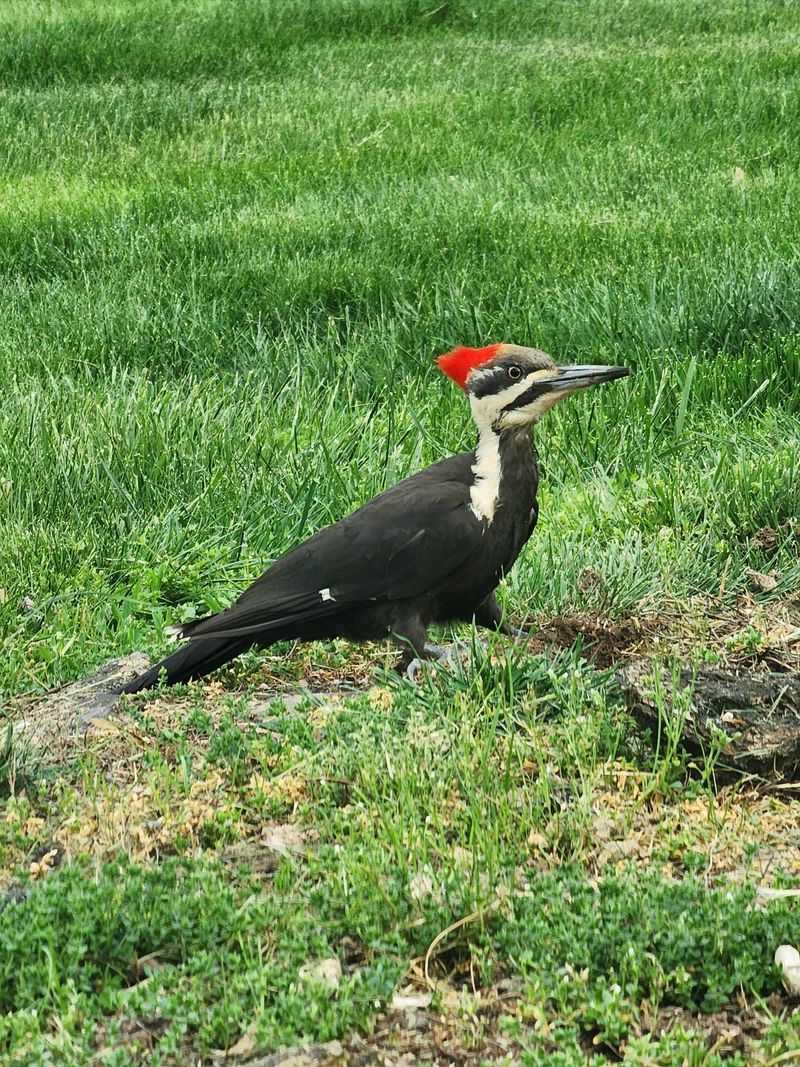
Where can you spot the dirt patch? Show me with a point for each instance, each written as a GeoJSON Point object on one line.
{"type": "Point", "coordinates": [731, 836]}
{"type": "Point", "coordinates": [748, 633]}
{"type": "Point", "coordinates": [603, 641]}
{"type": "Point", "coordinates": [56, 722]}
{"type": "Point", "coordinates": [727, 1032]}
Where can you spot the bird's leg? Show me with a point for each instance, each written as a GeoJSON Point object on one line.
{"type": "Point", "coordinates": [488, 614]}
{"type": "Point", "coordinates": [410, 635]}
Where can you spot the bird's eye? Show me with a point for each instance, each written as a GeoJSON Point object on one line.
{"type": "Point", "coordinates": [515, 373]}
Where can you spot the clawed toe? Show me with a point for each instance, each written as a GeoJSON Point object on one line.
{"type": "Point", "coordinates": [413, 671]}
{"type": "Point", "coordinates": [517, 633]}
{"type": "Point", "coordinates": [452, 656]}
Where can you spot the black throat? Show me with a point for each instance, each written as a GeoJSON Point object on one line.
{"type": "Point", "coordinates": [519, 469]}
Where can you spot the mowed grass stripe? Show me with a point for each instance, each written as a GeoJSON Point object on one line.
{"type": "Point", "coordinates": [80, 40]}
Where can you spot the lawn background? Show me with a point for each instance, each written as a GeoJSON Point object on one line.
{"type": "Point", "coordinates": [235, 235]}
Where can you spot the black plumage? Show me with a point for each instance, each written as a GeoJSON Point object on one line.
{"type": "Point", "coordinates": [421, 552]}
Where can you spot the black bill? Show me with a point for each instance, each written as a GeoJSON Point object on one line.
{"type": "Point", "coordinates": [565, 380]}
{"type": "Point", "coordinates": [579, 377]}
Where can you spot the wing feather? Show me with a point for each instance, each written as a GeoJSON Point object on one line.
{"type": "Point", "coordinates": [400, 545]}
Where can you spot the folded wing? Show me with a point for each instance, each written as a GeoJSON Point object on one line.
{"type": "Point", "coordinates": [379, 553]}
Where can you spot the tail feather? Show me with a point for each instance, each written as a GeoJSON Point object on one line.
{"type": "Point", "coordinates": [217, 639]}
{"type": "Point", "coordinates": [185, 629]}
{"type": "Point", "coordinates": [193, 660]}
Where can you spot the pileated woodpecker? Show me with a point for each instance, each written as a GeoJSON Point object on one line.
{"type": "Point", "coordinates": [431, 549]}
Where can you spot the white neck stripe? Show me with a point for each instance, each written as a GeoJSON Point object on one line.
{"type": "Point", "coordinates": [485, 489]}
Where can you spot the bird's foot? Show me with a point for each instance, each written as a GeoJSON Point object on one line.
{"type": "Point", "coordinates": [516, 632]}
{"type": "Point", "coordinates": [451, 656]}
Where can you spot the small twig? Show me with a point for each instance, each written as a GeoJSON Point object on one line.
{"type": "Point", "coordinates": [767, 893]}
{"type": "Point", "coordinates": [434, 11]}
{"type": "Point", "coordinates": [371, 136]}
{"type": "Point", "coordinates": [446, 933]}
{"type": "Point", "coordinates": [785, 1057]}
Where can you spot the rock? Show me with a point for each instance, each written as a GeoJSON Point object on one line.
{"type": "Point", "coordinates": [788, 959]}
{"type": "Point", "coordinates": [245, 1047]}
{"type": "Point", "coordinates": [52, 722]}
{"type": "Point", "coordinates": [763, 583]}
{"type": "Point", "coordinates": [325, 1055]}
{"type": "Point", "coordinates": [263, 855]}
{"type": "Point", "coordinates": [410, 1001]}
{"type": "Point", "coordinates": [756, 715]}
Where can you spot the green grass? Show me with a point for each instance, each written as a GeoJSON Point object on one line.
{"type": "Point", "coordinates": [233, 236]}
{"type": "Point", "coordinates": [240, 233]}
{"type": "Point", "coordinates": [422, 813]}
{"type": "Point", "coordinates": [240, 949]}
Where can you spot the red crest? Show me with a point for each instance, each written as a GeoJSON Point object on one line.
{"type": "Point", "coordinates": [460, 363]}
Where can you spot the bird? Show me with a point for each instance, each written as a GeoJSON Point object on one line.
{"type": "Point", "coordinates": [431, 549]}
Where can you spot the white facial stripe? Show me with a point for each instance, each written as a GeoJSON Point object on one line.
{"type": "Point", "coordinates": [486, 409]}
{"type": "Point", "coordinates": [532, 412]}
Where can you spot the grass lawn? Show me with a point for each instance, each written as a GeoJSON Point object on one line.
{"type": "Point", "coordinates": [233, 236]}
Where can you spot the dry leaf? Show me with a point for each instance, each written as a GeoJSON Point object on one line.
{"type": "Point", "coordinates": [451, 1001]}
{"type": "Point", "coordinates": [618, 851]}
{"type": "Point", "coordinates": [102, 726]}
{"type": "Point", "coordinates": [246, 1045]}
{"type": "Point", "coordinates": [762, 583]}
{"type": "Point", "coordinates": [783, 634]}
{"type": "Point", "coordinates": [326, 972]}
{"type": "Point", "coordinates": [765, 538]}
{"type": "Point", "coordinates": [420, 887]}
{"type": "Point", "coordinates": [603, 828]}
{"type": "Point", "coordinates": [462, 858]}
{"type": "Point", "coordinates": [43, 866]}
{"type": "Point", "coordinates": [284, 838]}
{"type": "Point", "coordinates": [381, 699]}
{"type": "Point", "coordinates": [588, 579]}
{"type": "Point", "coordinates": [410, 1001]}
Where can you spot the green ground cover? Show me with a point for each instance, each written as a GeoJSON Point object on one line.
{"type": "Point", "coordinates": [233, 236]}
